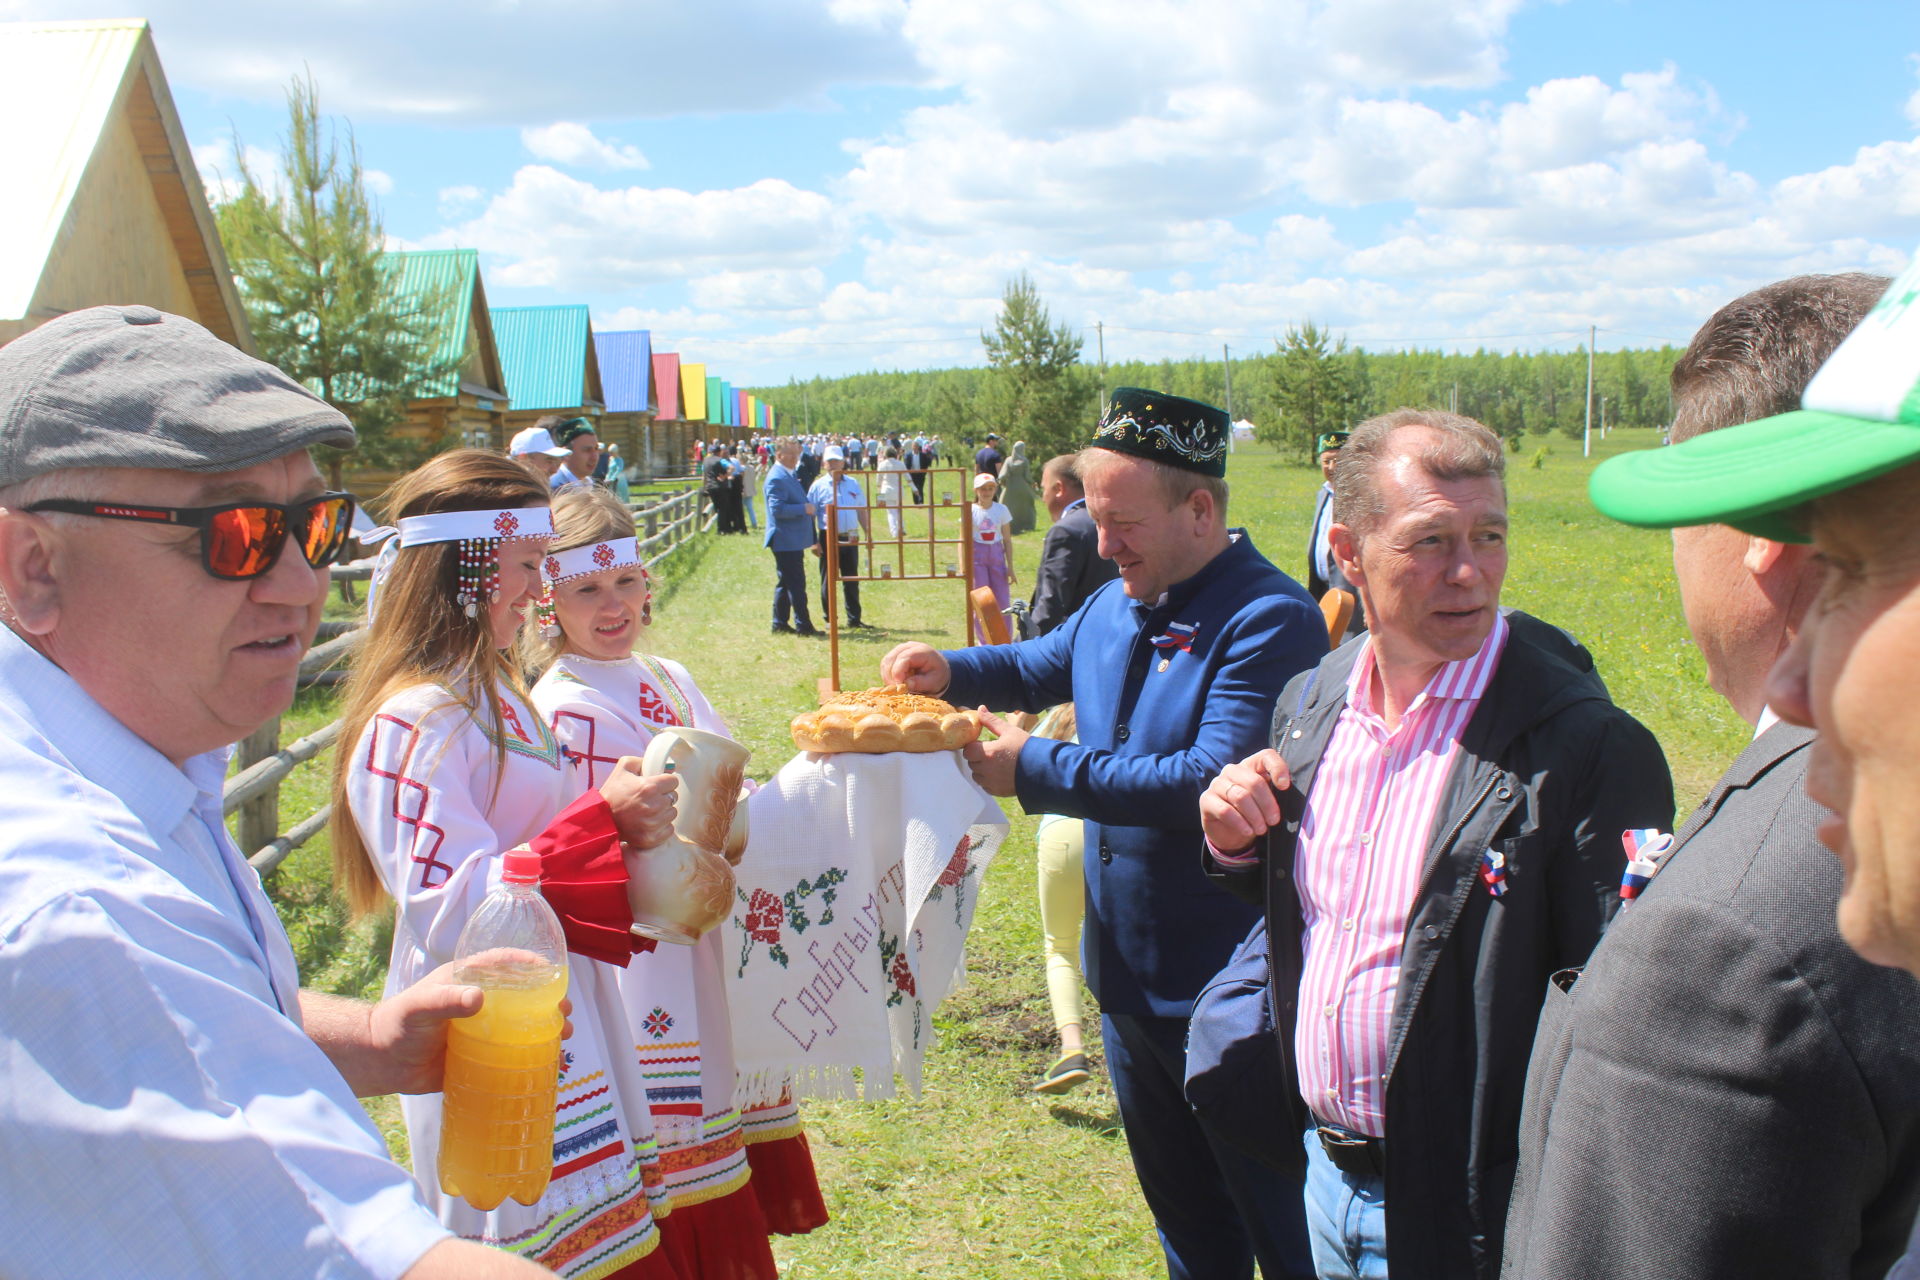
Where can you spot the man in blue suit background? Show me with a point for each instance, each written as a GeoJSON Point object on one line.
{"type": "Point", "coordinates": [789, 534]}
{"type": "Point", "coordinates": [1173, 672]}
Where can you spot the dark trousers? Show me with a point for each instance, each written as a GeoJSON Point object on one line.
{"type": "Point", "coordinates": [790, 589]}
{"type": "Point", "coordinates": [849, 564]}
{"type": "Point", "coordinates": [1215, 1209]}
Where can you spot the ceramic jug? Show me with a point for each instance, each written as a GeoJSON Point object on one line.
{"type": "Point", "coordinates": [685, 886]}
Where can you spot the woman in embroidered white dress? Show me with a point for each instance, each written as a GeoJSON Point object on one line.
{"type": "Point", "coordinates": [444, 766]}
{"type": "Point", "coordinates": [730, 1179]}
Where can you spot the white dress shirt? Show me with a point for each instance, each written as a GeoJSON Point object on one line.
{"type": "Point", "coordinates": [162, 1113]}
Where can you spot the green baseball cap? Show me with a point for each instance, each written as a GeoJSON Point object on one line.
{"type": "Point", "coordinates": [1859, 418]}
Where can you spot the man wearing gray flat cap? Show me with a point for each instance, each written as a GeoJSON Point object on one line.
{"type": "Point", "coordinates": [174, 1105]}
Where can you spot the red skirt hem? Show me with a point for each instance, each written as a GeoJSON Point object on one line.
{"type": "Point", "coordinates": [658, 1265]}
{"type": "Point", "coordinates": [720, 1239]}
{"type": "Point", "coordinates": [786, 1186]}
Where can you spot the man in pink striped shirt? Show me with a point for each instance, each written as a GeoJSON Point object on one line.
{"type": "Point", "coordinates": [1465, 784]}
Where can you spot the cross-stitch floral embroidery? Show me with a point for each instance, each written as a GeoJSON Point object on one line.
{"type": "Point", "coordinates": [767, 915]}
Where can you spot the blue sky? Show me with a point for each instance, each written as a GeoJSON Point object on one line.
{"type": "Point", "coordinates": [786, 187]}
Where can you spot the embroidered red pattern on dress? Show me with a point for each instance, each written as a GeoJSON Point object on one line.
{"type": "Point", "coordinates": [511, 719]}
{"type": "Point", "coordinates": [430, 862]}
{"type": "Point", "coordinates": [654, 709]}
{"type": "Point", "coordinates": [584, 754]}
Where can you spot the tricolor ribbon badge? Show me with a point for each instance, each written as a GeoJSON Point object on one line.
{"type": "Point", "coordinates": [1493, 872]}
{"type": "Point", "coordinates": [1646, 848]}
{"type": "Point", "coordinates": [1178, 636]}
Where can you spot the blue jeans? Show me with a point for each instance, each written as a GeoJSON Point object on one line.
{"type": "Point", "coordinates": [1346, 1219]}
{"type": "Point", "coordinates": [1216, 1211]}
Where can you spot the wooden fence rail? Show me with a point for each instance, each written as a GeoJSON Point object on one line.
{"type": "Point", "coordinates": [664, 526]}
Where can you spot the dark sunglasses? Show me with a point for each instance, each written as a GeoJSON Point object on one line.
{"type": "Point", "coordinates": [239, 540]}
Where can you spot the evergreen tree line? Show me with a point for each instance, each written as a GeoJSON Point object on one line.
{"type": "Point", "coordinates": [1290, 400]}
{"type": "Point", "coordinates": [1036, 388]}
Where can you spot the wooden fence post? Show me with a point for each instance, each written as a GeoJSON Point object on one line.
{"type": "Point", "coordinates": [259, 819]}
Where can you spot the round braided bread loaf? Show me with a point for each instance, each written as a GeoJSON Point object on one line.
{"type": "Point", "coordinates": [875, 721]}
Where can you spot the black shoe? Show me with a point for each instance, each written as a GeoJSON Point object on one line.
{"type": "Point", "coordinates": [781, 629]}
{"type": "Point", "coordinates": [858, 625]}
{"type": "Point", "coordinates": [812, 633]}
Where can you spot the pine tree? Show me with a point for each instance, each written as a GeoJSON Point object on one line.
{"type": "Point", "coordinates": [1317, 387]}
{"type": "Point", "coordinates": [306, 246]}
{"type": "Point", "coordinates": [1039, 392]}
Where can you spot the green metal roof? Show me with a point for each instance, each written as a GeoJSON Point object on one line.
{"type": "Point", "coordinates": [454, 273]}
{"type": "Point", "coordinates": [546, 354]}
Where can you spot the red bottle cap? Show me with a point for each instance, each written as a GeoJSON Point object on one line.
{"type": "Point", "coordinates": [522, 867]}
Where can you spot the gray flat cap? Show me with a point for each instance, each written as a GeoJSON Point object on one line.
{"type": "Point", "coordinates": [136, 387]}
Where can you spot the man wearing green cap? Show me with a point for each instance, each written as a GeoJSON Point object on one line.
{"type": "Point", "coordinates": [1796, 1062]}
{"type": "Point", "coordinates": [1841, 471]}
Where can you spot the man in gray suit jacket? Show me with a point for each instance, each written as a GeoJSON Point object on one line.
{"type": "Point", "coordinates": [1728, 1090]}
{"type": "Point", "coordinates": [1071, 567]}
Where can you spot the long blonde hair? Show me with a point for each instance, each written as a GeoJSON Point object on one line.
{"type": "Point", "coordinates": [420, 636]}
{"type": "Point", "coordinates": [582, 513]}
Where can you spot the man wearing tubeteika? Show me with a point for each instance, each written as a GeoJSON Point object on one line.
{"type": "Point", "coordinates": [1173, 672]}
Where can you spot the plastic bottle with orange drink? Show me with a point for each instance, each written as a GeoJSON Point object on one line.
{"type": "Point", "coordinates": [503, 1063]}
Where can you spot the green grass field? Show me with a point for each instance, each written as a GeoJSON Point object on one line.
{"type": "Point", "coordinates": [979, 1177]}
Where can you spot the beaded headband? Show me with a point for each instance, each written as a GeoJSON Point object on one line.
{"type": "Point", "coordinates": [591, 557]}
{"type": "Point", "coordinates": [513, 523]}
{"type": "Point", "coordinates": [479, 533]}
{"type": "Point", "coordinates": [580, 561]}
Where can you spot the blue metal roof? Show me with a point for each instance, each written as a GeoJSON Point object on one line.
{"type": "Point", "coordinates": [626, 369]}
{"type": "Point", "coordinates": [545, 354]}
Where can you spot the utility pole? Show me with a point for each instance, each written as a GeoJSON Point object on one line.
{"type": "Point", "coordinates": [1100, 328]}
{"type": "Point", "coordinates": [1454, 403]}
{"type": "Point", "coordinates": [1226, 358]}
{"type": "Point", "coordinates": [1586, 432]}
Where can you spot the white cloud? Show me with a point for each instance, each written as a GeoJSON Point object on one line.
{"type": "Point", "coordinates": [457, 62]}
{"type": "Point", "coordinates": [551, 230]}
{"type": "Point", "coordinates": [575, 145]}
{"type": "Point", "coordinates": [220, 170]}
{"type": "Point", "coordinates": [772, 289]}
{"type": "Point", "coordinates": [1394, 43]}
{"type": "Point", "coordinates": [460, 202]}
{"type": "Point", "coordinates": [378, 181]}
{"type": "Point", "coordinates": [1877, 194]}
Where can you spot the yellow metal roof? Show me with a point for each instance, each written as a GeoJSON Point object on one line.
{"type": "Point", "coordinates": [58, 83]}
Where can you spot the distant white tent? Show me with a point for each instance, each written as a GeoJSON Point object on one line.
{"type": "Point", "coordinates": [1243, 430]}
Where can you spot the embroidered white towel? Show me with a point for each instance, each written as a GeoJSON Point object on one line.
{"type": "Point", "coordinates": [849, 926]}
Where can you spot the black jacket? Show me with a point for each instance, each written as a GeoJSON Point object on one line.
{"type": "Point", "coordinates": [1070, 569]}
{"type": "Point", "coordinates": [1550, 772]}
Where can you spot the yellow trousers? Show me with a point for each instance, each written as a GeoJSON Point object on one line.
{"type": "Point", "coordinates": [1063, 905]}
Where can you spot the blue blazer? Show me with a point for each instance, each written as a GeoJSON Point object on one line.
{"type": "Point", "coordinates": [789, 527]}
{"type": "Point", "coordinates": [1150, 740]}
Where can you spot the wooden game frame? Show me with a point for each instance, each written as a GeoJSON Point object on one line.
{"type": "Point", "coordinates": [873, 545]}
